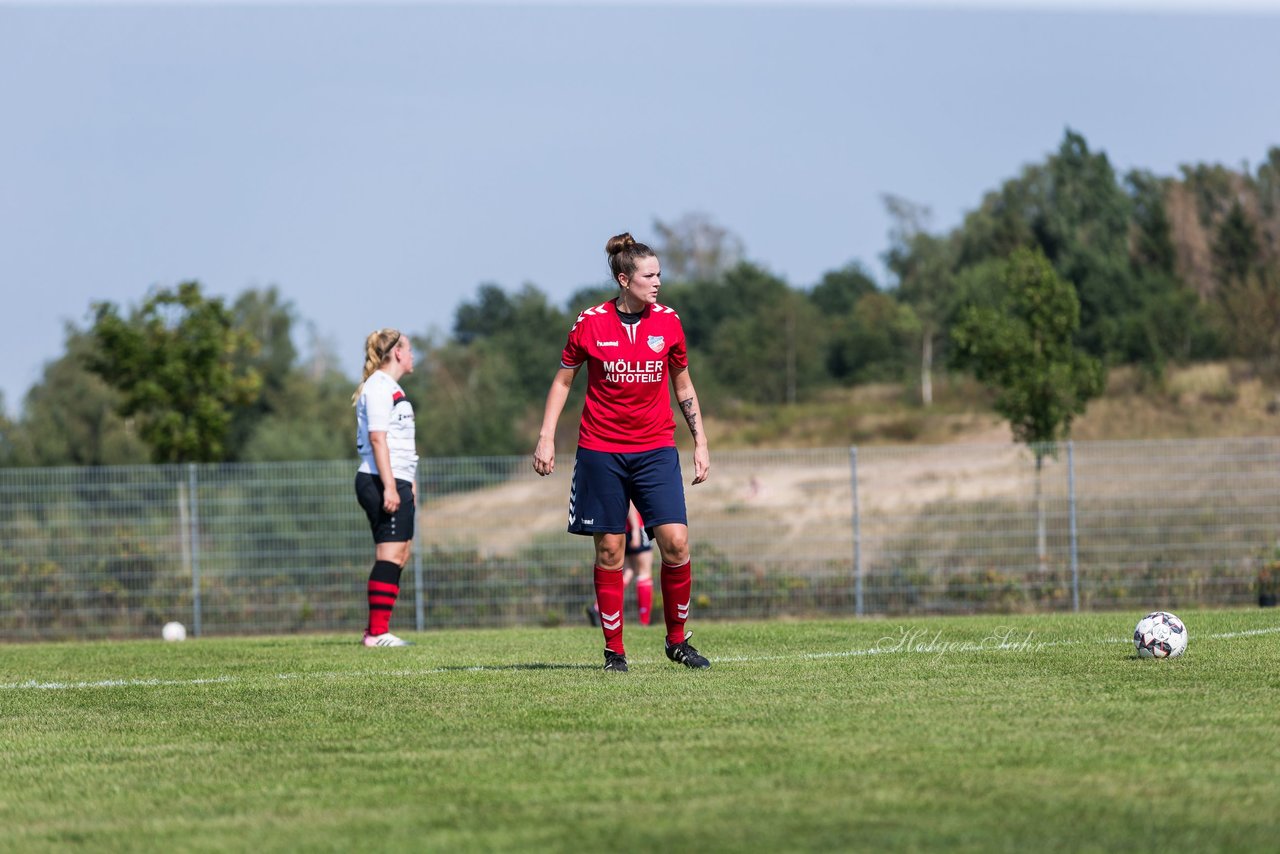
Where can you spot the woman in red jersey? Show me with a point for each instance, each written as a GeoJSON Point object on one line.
{"type": "Point", "coordinates": [632, 347]}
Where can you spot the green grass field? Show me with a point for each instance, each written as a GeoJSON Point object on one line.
{"type": "Point", "coordinates": [975, 733]}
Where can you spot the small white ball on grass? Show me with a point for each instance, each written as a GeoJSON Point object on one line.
{"type": "Point", "coordinates": [174, 631]}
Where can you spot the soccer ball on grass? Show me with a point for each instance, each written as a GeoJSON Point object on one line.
{"type": "Point", "coordinates": [1160, 635]}
{"type": "Point", "coordinates": [174, 632]}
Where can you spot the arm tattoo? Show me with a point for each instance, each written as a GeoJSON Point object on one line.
{"type": "Point", "coordinates": [686, 406]}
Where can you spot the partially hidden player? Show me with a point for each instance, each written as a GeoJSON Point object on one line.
{"type": "Point", "coordinates": [637, 563]}
{"type": "Point", "coordinates": [632, 347]}
{"type": "Point", "coordinates": [386, 482]}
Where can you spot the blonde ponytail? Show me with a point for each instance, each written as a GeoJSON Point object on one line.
{"type": "Point", "coordinates": [377, 350]}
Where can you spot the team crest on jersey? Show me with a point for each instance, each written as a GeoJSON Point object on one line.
{"type": "Point", "coordinates": [656, 342]}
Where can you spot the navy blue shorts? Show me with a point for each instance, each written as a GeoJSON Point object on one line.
{"type": "Point", "coordinates": [604, 483]}
{"type": "Point", "coordinates": [387, 527]}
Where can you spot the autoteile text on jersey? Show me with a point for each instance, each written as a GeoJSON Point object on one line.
{"type": "Point", "coordinates": [623, 371]}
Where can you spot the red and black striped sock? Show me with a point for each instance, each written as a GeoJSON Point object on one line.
{"type": "Point", "coordinates": [383, 588]}
{"type": "Point", "coordinates": [609, 600]}
{"type": "Point", "coordinates": [677, 583]}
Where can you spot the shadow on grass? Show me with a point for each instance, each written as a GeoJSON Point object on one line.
{"type": "Point", "coordinates": [508, 667]}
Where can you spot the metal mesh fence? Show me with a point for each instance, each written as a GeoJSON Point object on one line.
{"type": "Point", "coordinates": [1103, 525]}
{"type": "Point", "coordinates": [116, 552]}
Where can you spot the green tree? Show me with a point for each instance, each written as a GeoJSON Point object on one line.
{"type": "Point", "coordinates": [10, 453]}
{"type": "Point", "coordinates": [1117, 243]}
{"type": "Point", "coordinates": [707, 306]}
{"type": "Point", "coordinates": [836, 298]}
{"type": "Point", "coordinates": [476, 390]}
{"type": "Point", "coordinates": [1213, 187]}
{"type": "Point", "coordinates": [529, 342]}
{"type": "Point", "coordinates": [1249, 308]}
{"type": "Point", "coordinates": [882, 338]}
{"type": "Point", "coordinates": [491, 313]}
{"type": "Point", "coordinates": [265, 320]}
{"type": "Point", "coordinates": [1025, 350]}
{"type": "Point", "coordinates": [773, 354]}
{"type": "Point", "coordinates": [71, 416]}
{"type": "Point", "coordinates": [839, 290]}
{"type": "Point", "coordinates": [1268, 185]}
{"type": "Point", "coordinates": [1003, 220]}
{"type": "Point", "coordinates": [757, 339]}
{"type": "Point", "coordinates": [310, 419]}
{"type": "Point", "coordinates": [303, 410]}
{"type": "Point", "coordinates": [178, 362]}
{"type": "Point", "coordinates": [1236, 248]}
{"type": "Point", "coordinates": [1150, 231]}
{"type": "Point", "coordinates": [1170, 321]}
{"type": "Point", "coordinates": [467, 404]}
{"type": "Point", "coordinates": [924, 269]}
{"type": "Point", "coordinates": [1081, 217]}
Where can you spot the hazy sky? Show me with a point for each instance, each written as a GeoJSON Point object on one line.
{"type": "Point", "coordinates": [378, 162]}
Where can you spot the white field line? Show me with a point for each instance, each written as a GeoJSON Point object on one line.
{"type": "Point", "coordinates": [115, 683]}
{"type": "Point", "coordinates": [917, 643]}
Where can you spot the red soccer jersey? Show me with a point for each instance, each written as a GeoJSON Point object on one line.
{"type": "Point", "coordinates": [629, 366]}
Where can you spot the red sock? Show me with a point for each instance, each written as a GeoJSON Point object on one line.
{"type": "Point", "coordinates": [644, 598]}
{"type": "Point", "coordinates": [609, 600]}
{"type": "Point", "coordinates": [676, 584]}
{"type": "Point", "coordinates": [382, 590]}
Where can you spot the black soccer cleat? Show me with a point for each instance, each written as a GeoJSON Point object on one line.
{"type": "Point", "coordinates": [684, 653]}
{"type": "Point", "coordinates": [615, 661]}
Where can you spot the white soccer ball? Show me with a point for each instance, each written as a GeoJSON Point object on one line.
{"type": "Point", "coordinates": [1160, 635]}
{"type": "Point", "coordinates": [174, 632]}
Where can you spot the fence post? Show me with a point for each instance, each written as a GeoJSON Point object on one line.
{"type": "Point", "coordinates": [419, 595]}
{"type": "Point", "coordinates": [1071, 506]}
{"type": "Point", "coordinates": [184, 526]}
{"type": "Point", "coordinates": [194, 518]}
{"type": "Point", "coordinates": [857, 532]}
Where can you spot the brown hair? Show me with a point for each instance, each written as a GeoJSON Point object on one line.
{"type": "Point", "coordinates": [377, 350]}
{"type": "Point", "coordinates": [624, 252]}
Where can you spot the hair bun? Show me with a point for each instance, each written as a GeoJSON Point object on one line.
{"type": "Point", "coordinates": [619, 243]}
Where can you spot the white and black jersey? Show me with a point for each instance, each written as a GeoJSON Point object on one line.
{"type": "Point", "coordinates": [383, 407]}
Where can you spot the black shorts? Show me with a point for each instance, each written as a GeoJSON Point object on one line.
{"type": "Point", "coordinates": [387, 527]}
{"type": "Point", "coordinates": [646, 544]}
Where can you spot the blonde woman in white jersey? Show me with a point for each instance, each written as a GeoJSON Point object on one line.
{"type": "Point", "coordinates": [386, 483]}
